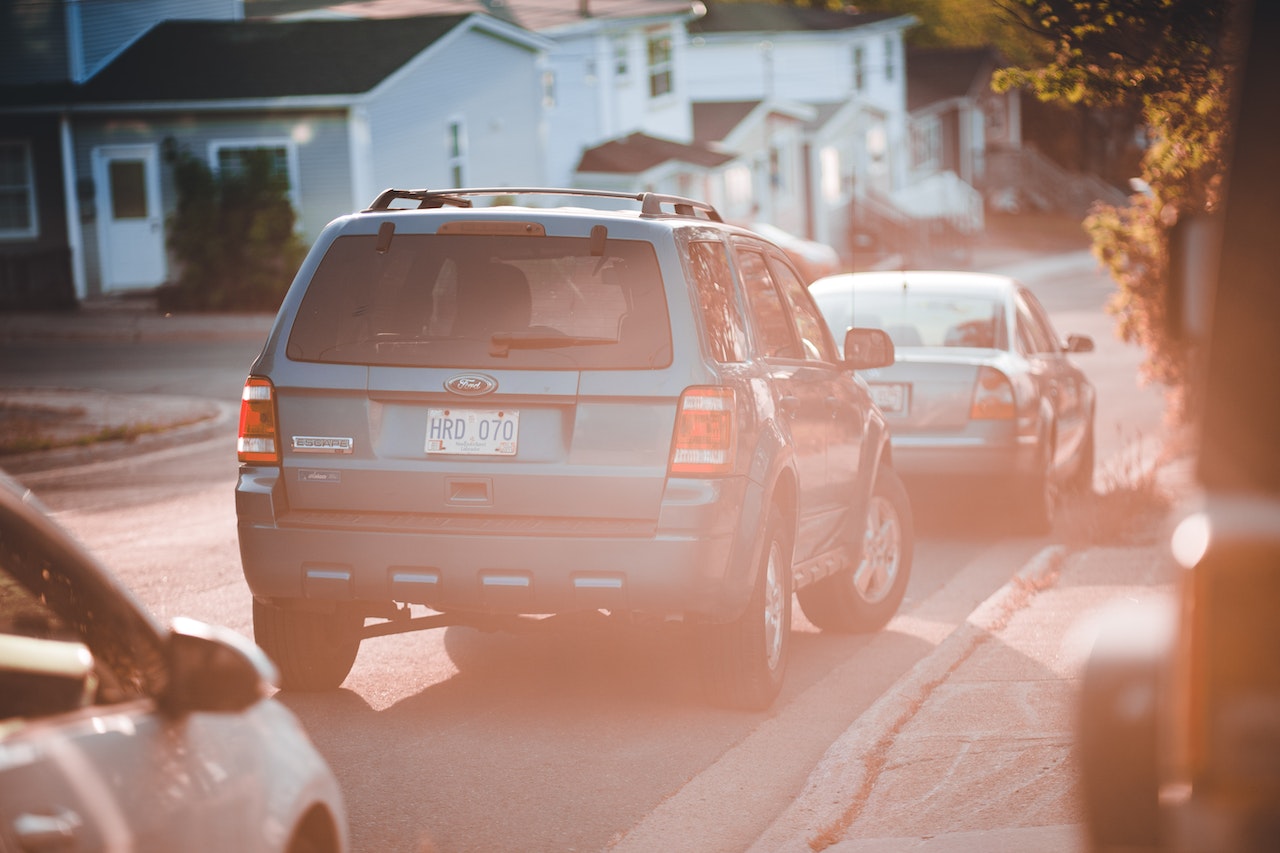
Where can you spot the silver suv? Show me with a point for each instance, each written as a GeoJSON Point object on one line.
{"type": "Point", "coordinates": [494, 411]}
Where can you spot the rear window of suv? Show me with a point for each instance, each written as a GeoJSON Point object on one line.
{"type": "Point", "coordinates": [461, 300]}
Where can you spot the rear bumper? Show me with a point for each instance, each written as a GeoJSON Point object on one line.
{"type": "Point", "coordinates": [695, 562]}
{"type": "Point", "coordinates": [977, 457]}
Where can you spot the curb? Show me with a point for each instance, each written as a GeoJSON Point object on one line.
{"type": "Point", "coordinates": [60, 463]}
{"type": "Point", "coordinates": [843, 779]}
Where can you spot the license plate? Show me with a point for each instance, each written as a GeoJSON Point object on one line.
{"type": "Point", "coordinates": [473, 432]}
{"type": "Point", "coordinates": [890, 397]}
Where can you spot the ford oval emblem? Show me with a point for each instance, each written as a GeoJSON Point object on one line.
{"type": "Point", "coordinates": [471, 384]}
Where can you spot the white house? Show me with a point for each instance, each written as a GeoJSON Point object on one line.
{"type": "Point", "coordinates": [346, 108]}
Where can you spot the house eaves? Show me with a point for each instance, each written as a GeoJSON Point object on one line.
{"type": "Point", "coordinates": [722, 123]}
{"type": "Point", "coordinates": [638, 153]}
{"type": "Point", "coordinates": [936, 76]}
{"type": "Point", "coordinates": [535, 15]}
{"type": "Point", "coordinates": [261, 63]}
{"type": "Point", "coordinates": [773, 18]}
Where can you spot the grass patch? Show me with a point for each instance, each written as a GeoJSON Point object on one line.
{"type": "Point", "coordinates": [29, 428]}
{"type": "Point", "coordinates": [1127, 508]}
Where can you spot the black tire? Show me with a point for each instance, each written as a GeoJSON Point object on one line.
{"type": "Point", "coordinates": [313, 651]}
{"type": "Point", "coordinates": [744, 661]}
{"type": "Point", "coordinates": [865, 596]}
{"type": "Point", "coordinates": [1035, 499]}
{"type": "Point", "coordinates": [1082, 478]}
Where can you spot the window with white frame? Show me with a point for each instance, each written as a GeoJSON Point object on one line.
{"type": "Point", "coordinates": [548, 88]}
{"type": "Point", "coordinates": [17, 191]}
{"type": "Point", "coordinates": [660, 80]}
{"type": "Point", "coordinates": [232, 158]}
{"type": "Point", "coordinates": [890, 58]}
{"type": "Point", "coordinates": [829, 178]}
{"type": "Point", "coordinates": [457, 152]}
{"type": "Point", "coordinates": [621, 57]}
{"type": "Point", "coordinates": [926, 145]}
{"type": "Point", "coordinates": [859, 60]}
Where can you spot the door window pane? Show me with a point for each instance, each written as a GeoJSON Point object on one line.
{"type": "Point", "coordinates": [128, 189]}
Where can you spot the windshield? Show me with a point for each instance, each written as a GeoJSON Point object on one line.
{"type": "Point", "coordinates": [919, 319]}
{"type": "Point", "coordinates": [439, 300]}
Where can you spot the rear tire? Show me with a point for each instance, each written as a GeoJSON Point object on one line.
{"type": "Point", "coordinates": [744, 661]}
{"type": "Point", "coordinates": [1035, 500]}
{"type": "Point", "coordinates": [866, 595]}
{"type": "Point", "coordinates": [312, 650]}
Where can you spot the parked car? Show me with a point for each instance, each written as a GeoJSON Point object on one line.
{"type": "Point", "coordinates": [116, 733]}
{"type": "Point", "coordinates": [500, 411]}
{"type": "Point", "coordinates": [812, 259]}
{"type": "Point", "coordinates": [982, 387]}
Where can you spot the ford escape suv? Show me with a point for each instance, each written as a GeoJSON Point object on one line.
{"type": "Point", "coordinates": [495, 411]}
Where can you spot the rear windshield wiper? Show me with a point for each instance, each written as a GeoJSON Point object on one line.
{"type": "Point", "coordinates": [503, 342]}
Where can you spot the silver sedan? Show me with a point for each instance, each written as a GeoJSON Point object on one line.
{"type": "Point", "coordinates": [982, 386]}
{"type": "Point", "coordinates": [119, 734]}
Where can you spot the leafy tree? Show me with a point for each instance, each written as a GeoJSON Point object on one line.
{"type": "Point", "coordinates": [1172, 60]}
{"type": "Point", "coordinates": [233, 236]}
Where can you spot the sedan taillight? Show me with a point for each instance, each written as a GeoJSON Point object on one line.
{"type": "Point", "coordinates": [704, 437]}
{"type": "Point", "coordinates": [258, 443]}
{"type": "Point", "coordinates": [993, 397]}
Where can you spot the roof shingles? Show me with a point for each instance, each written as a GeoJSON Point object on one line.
{"type": "Point", "coordinates": [231, 60]}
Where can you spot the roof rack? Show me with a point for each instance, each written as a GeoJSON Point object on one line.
{"type": "Point", "coordinates": [651, 204]}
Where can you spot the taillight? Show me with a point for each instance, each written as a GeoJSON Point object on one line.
{"type": "Point", "coordinates": [258, 443]}
{"type": "Point", "coordinates": [992, 396]}
{"type": "Point", "coordinates": [704, 436]}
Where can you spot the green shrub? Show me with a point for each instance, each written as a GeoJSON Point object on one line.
{"type": "Point", "coordinates": [232, 236]}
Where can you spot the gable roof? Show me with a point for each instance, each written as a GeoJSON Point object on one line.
{"type": "Point", "coordinates": [780, 18]}
{"type": "Point", "coordinates": [531, 14]}
{"type": "Point", "coordinates": [714, 120]}
{"type": "Point", "coordinates": [640, 152]}
{"type": "Point", "coordinates": [230, 60]}
{"type": "Point", "coordinates": [945, 73]}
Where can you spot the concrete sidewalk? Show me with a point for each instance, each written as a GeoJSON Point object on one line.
{"type": "Point", "coordinates": [973, 750]}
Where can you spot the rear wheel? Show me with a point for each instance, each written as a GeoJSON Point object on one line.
{"type": "Point", "coordinates": [744, 660]}
{"type": "Point", "coordinates": [1035, 500]}
{"type": "Point", "coordinates": [865, 596]}
{"type": "Point", "coordinates": [1082, 477]}
{"type": "Point", "coordinates": [312, 650]}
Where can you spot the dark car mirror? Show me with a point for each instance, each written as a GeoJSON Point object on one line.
{"type": "Point", "coordinates": [868, 348]}
{"type": "Point", "coordinates": [212, 668]}
{"type": "Point", "coordinates": [1079, 343]}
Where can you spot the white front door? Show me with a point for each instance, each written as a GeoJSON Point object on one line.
{"type": "Point", "coordinates": [130, 221]}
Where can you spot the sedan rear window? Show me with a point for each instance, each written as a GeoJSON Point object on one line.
{"type": "Point", "coordinates": [459, 300]}
{"type": "Point", "coordinates": [919, 319]}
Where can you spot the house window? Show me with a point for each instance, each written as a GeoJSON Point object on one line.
{"type": "Point", "coordinates": [858, 62]}
{"type": "Point", "coordinates": [233, 158]}
{"type": "Point", "coordinates": [17, 191]}
{"type": "Point", "coordinates": [548, 88]}
{"type": "Point", "coordinates": [457, 144]}
{"type": "Point", "coordinates": [829, 177]}
{"type": "Point", "coordinates": [890, 58]}
{"type": "Point", "coordinates": [926, 146]}
{"type": "Point", "coordinates": [620, 66]}
{"type": "Point", "coordinates": [659, 64]}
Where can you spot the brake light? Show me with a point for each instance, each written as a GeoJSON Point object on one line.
{"type": "Point", "coordinates": [704, 437]}
{"type": "Point", "coordinates": [258, 443]}
{"type": "Point", "coordinates": [992, 396]}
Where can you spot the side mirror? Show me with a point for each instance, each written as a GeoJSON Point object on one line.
{"type": "Point", "coordinates": [868, 348]}
{"type": "Point", "coordinates": [1079, 343]}
{"type": "Point", "coordinates": [212, 668]}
